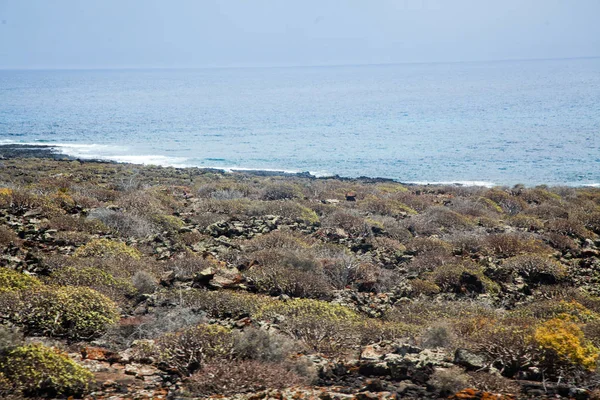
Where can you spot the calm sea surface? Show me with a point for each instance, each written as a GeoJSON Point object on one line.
{"type": "Point", "coordinates": [531, 122]}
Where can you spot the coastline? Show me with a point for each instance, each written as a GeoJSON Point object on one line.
{"type": "Point", "coordinates": [49, 151]}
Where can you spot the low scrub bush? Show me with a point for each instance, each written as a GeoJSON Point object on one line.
{"type": "Point", "coordinates": [438, 335]}
{"type": "Point", "coordinates": [591, 220]}
{"type": "Point", "coordinates": [466, 244]}
{"type": "Point", "coordinates": [8, 236]}
{"type": "Point", "coordinates": [423, 287]}
{"type": "Point", "coordinates": [187, 350]}
{"type": "Point", "coordinates": [509, 204]}
{"type": "Point", "coordinates": [465, 277]}
{"type": "Point", "coordinates": [506, 245]}
{"type": "Point", "coordinates": [438, 220]}
{"type": "Point", "coordinates": [288, 272]}
{"type": "Point", "coordinates": [322, 326]}
{"type": "Point", "coordinates": [426, 313]}
{"type": "Point", "coordinates": [116, 289]}
{"type": "Point", "coordinates": [280, 239]}
{"type": "Point", "coordinates": [526, 222]}
{"type": "Point", "coordinates": [547, 212]}
{"type": "Point", "coordinates": [386, 206]}
{"type": "Point", "coordinates": [19, 200]}
{"type": "Point", "coordinates": [535, 268]}
{"type": "Point", "coordinates": [281, 191]}
{"type": "Point", "coordinates": [481, 207]}
{"type": "Point", "coordinates": [425, 245]}
{"type": "Point", "coordinates": [71, 312]}
{"type": "Point", "coordinates": [258, 344]}
{"type": "Point", "coordinates": [370, 330]}
{"type": "Point", "coordinates": [450, 380]}
{"type": "Point", "coordinates": [561, 242]}
{"type": "Point", "coordinates": [144, 282]}
{"type": "Point", "coordinates": [348, 220]}
{"type": "Point", "coordinates": [569, 310]}
{"type": "Point", "coordinates": [369, 277]}
{"type": "Point", "coordinates": [152, 201]}
{"type": "Point", "coordinates": [11, 280]}
{"type": "Point", "coordinates": [221, 304]}
{"type": "Point", "coordinates": [107, 248]}
{"type": "Point", "coordinates": [494, 383]}
{"type": "Point", "coordinates": [187, 267]}
{"type": "Point", "coordinates": [125, 224]}
{"type": "Point", "coordinates": [569, 227]}
{"type": "Point", "coordinates": [37, 370]}
{"type": "Point", "coordinates": [235, 377]}
{"type": "Point", "coordinates": [162, 320]}
{"type": "Point", "coordinates": [168, 223]}
{"type": "Point", "coordinates": [508, 343]}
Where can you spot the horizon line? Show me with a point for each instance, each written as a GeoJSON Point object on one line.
{"type": "Point", "coordinates": [115, 68]}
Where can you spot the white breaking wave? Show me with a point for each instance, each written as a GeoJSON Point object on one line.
{"type": "Point", "coordinates": [457, 183]}
{"type": "Point", "coordinates": [120, 154]}
{"type": "Point", "coordinates": [107, 152]}
{"type": "Point", "coordinates": [164, 161]}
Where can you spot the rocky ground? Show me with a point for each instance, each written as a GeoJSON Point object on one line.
{"type": "Point", "coordinates": [199, 283]}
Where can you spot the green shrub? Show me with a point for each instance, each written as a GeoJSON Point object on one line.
{"type": "Point", "coordinates": [465, 277]}
{"type": "Point", "coordinates": [13, 280]}
{"type": "Point", "coordinates": [423, 287]}
{"type": "Point", "coordinates": [37, 370]}
{"type": "Point", "coordinates": [107, 248]}
{"type": "Point", "coordinates": [72, 312]}
{"type": "Point", "coordinates": [168, 223]}
{"type": "Point", "coordinates": [281, 191]}
{"type": "Point", "coordinates": [94, 278]}
{"type": "Point", "coordinates": [322, 326]}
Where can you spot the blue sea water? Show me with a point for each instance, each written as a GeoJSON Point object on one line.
{"type": "Point", "coordinates": [531, 122]}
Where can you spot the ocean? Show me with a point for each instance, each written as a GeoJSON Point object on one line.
{"type": "Point", "coordinates": [488, 123]}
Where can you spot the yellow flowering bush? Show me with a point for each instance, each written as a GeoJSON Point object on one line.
{"type": "Point", "coordinates": [566, 339]}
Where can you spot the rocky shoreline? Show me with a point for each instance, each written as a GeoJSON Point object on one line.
{"type": "Point", "coordinates": [12, 151]}
{"type": "Point", "coordinates": [205, 284]}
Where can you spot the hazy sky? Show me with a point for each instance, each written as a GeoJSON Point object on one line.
{"type": "Point", "coordinates": [204, 33]}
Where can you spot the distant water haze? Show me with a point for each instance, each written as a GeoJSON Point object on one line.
{"type": "Point", "coordinates": [531, 122]}
{"type": "Point", "coordinates": [206, 33]}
